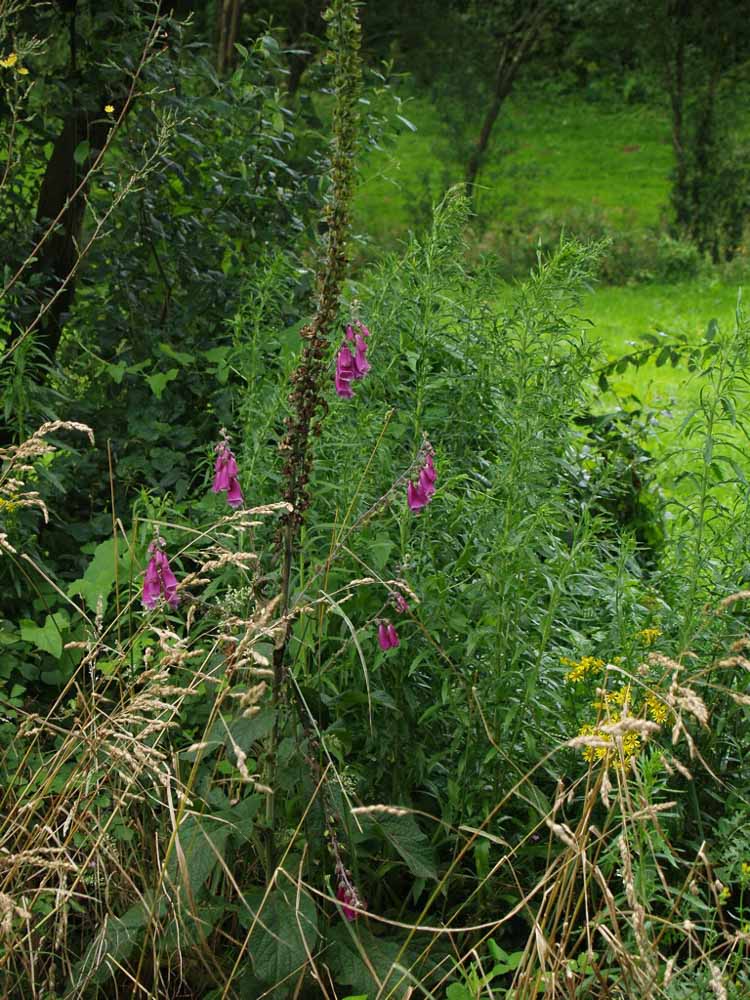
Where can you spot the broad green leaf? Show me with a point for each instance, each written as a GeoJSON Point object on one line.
{"type": "Point", "coordinates": [403, 833]}
{"type": "Point", "coordinates": [113, 943]}
{"type": "Point", "coordinates": [82, 151]}
{"type": "Point", "coordinates": [48, 637]}
{"type": "Point", "coordinates": [202, 840]}
{"type": "Point", "coordinates": [182, 356]}
{"type": "Point", "coordinates": [285, 930]}
{"type": "Point", "coordinates": [345, 960]}
{"type": "Point", "coordinates": [379, 551]}
{"type": "Point", "coordinates": [242, 731]}
{"type": "Point", "coordinates": [99, 576]}
{"type": "Point", "coordinates": [159, 381]}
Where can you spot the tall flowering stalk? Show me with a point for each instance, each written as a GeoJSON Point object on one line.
{"type": "Point", "coordinates": [310, 382]}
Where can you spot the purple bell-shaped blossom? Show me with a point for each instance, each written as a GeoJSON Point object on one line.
{"type": "Point", "coordinates": [345, 896]}
{"type": "Point", "coordinates": [351, 366]}
{"type": "Point", "coordinates": [387, 636]}
{"type": "Point", "coordinates": [416, 497]}
{"type": "Point", "coordinates": [419, 495]}
{"type": "Point", "coordinates": [225, 475]}
{"type": "Point", "coordinates": [384, 640]}
{"type": "Point", "coordinates": [348, 895]}
{"type": "Point", "coordinates": [345, 372]}
{"type": "Point", "coordinates": [159, 580]}
{"type": "Point", "coordinates": [361, 364]}
{"type": "Point", "coordinates": [400, 603]}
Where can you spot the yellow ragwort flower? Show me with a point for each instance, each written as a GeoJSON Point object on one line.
{"type": "Point", "coordinates": [648, 636]}
{"type": "Point", "coordinates": [10, 60]}
{"type": "Point", "coordinates": [580, 668]}
{"type": "Point", "coordinates": [22, 71]}
{"type": "Point", "coordinates": [109, 109]}
{"type": "Point", "coordinates": [630, 743]}
{"type": "Point", "coordinates": [656, 708]}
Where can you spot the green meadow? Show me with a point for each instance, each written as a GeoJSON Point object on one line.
{"type": "Point", "coordinates": [592, 168]}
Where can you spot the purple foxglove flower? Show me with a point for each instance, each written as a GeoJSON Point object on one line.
{"type": "Point", "coordinates": [426, 485]}
{"type": "Point", "coordinates": [234, 493]}
{"type": "Point", "coordinates": [393, 636]}
{"type": "Point", "coordinates": [343, 387]}
{"type": "Point", "coordinates": [361, 364]}
{"type": "Point", "coordinates": [416, 497]}
{"type": "Point", "coordinates": [351, 365]}
{"type": "Point", "coordinates": [346, 896]}
{"type": "Point", "coordinates": [225, 475]}
{"type": "Point", "coordinates": [384, 639]}
{"type": "Point", "coordinates": [159, 580]}
{"type": "Point", "coordinates": [151, 585]}
{"type": "Point", "coordinates": [225, 468]}
{"type": "Point", "coordinates": [420, 495]}
{"type": "Point", "coordinates": [345, 372]}
{"type": "Point", "coordinates": [401, 604]}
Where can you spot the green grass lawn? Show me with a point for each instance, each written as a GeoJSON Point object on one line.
{"type": "Point", "coordinates": [560, 157]}
{"type": "Point", "coordinates": [622, 314]}
{"type": "Point", "coordinates": [564, 162]}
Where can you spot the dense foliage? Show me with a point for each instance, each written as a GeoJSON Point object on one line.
{"type": "Point", "coordinates": [354, 641]}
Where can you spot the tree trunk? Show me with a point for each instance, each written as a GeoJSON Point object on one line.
{"type": "Point", "coordinates": [227, 27]}
{"type": "Point", "coordinates": [57, 260]}
{"type": "Point", "coordinates": [515, 48]}
{"type": "Point", "coordinates": [677, 13]}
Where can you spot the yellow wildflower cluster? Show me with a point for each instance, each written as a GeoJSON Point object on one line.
{"type": "Point", "coordinates": [109, 109]}
{"type": "Point", "coordinates": [620, 696]}
{"type": "Point", "coordinates": [581, 668]}
{"type": "Point", "coordinates": [745, 873]}
{"type": "Point", "coordinates": [620, 703]}
{"type": "Point", "coordinates": [8, 506]}
{"type": "Point", "coordinates": [630, 743]}
{"type": "Point", "coordinates": [656, 708]}
{"type": "Point", "coordinates": [7, 62]}
{"type": "Point", "coordinates": [648, 636]}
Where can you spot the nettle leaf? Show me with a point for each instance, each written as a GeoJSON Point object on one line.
{"type": "Point", "coordinates": [202, 843]}
{"type": "Point", "coordinates": [284, 931]}
{"type": "Point", "coordinates": [47, 637]}
{"type": "Point", "coordinates": [99, 577]}
{"type": "Point", "coordinates": [114, 943]}
{"type": "Point", "coordinates": [81, 152]}
{"type": "Point", "coordinates": [243, 732]}
{"type": "Point", "coordinates": [405, 836]}
{"type": "Point", "coordinates": [347, 944]}
{"type": "Point", "coordinates": [379, 551]}
{"type": "Point", "coordinates": [159, 381]}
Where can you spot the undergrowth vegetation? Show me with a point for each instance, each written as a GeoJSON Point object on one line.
{"type": "Point", "coordinates": [438, 688]}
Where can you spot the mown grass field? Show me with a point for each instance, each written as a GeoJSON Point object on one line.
{"type": "Point", "coordinates": [547, 158]}
{"type": "Point", "coordinates": [586, 166]}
